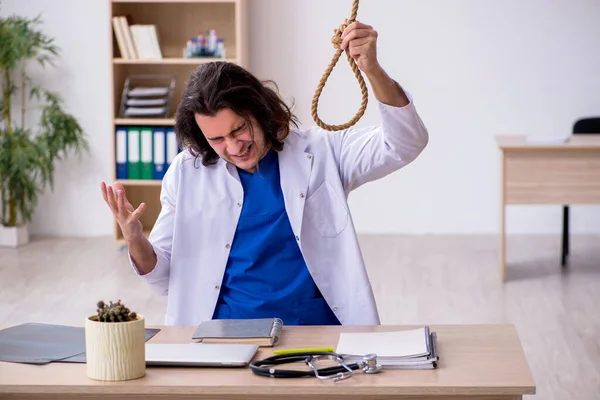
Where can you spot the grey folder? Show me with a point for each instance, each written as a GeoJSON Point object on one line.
{"type": "Point", "coordinates": [259, 331]}
{"type": "Point", "coordinates": [38, 343]}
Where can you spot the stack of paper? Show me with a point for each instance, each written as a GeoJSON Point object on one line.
{"type": "Point", "coordinates": [409, 349]}
{"type": "Point", "coordinates": [147, 101]}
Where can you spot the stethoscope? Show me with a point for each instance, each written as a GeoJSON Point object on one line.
{"type": "Point", "coordinates": [368, 364]}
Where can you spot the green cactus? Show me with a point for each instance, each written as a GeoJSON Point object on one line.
{"type": "Point", "coordinates": [114, 312]}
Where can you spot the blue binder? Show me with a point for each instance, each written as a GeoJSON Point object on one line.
{"type": "Point", "coordinates": [160, 153]}
{"type": "Point", "coordinates": [121, 152]}
{"type": "Point", "coordinates": [172, 147]}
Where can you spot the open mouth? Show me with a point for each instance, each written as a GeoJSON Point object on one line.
{"type": "Point", "coordinates": [244, 153]}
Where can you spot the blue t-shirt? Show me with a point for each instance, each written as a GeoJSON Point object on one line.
{"type": "Point", "coordinates": [266, 275]}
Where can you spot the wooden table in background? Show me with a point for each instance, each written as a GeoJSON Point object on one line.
{"type": "Point", "coordinates": [477, 362]}
{"type": "Point", "coordinates": [562, 174]}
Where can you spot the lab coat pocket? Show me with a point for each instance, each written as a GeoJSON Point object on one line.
{"type": "Point", "coordinates": [326, 212]}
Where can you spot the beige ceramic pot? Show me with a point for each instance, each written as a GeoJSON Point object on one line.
{"type": "Point", "coordinates": [115, 351]}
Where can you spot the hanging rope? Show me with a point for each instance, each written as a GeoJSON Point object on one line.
{"type": "Point", "coordinates": [336, 40]}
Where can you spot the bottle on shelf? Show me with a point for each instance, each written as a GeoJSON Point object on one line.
{"type": "Point", "coordinates": [211, 47]}
{"type": "Point", "coordinates": [190, 48]}
{"type": "Point", "coordinates": [205, 45]}
{"type": "Point", "coordinates": [220, 50]}
{"type": "Point", "coordinates": [201, 46]}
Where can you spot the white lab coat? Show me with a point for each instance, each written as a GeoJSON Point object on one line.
{"type": "Point", "coordinates": [318, 169]}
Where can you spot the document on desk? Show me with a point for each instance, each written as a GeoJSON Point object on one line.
{"type": "Point", "coordinates": [40, 343]}
{"type": "Point", "coordinates": [34, 343]}
{"type": "Point", "coordinates": [416, 348]}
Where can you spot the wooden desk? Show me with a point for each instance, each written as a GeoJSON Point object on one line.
{"type": "Point", "coordinates": [477, 362]}
{"type": "Point", "coordinates": [562, 174]}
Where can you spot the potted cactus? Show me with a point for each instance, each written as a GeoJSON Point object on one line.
{"type": "Point", "coordinates": [115, 343]}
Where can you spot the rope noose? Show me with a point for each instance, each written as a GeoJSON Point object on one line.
{"type": "Point", "coordinates": [336, 40]}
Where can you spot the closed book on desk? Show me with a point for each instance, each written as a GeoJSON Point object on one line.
{"type": "Point", "coordinates": [259, 331]}
{"type": "Point", "coordinates": [407, 349]}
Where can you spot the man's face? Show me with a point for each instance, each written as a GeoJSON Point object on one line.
{"type": "Point", "coordinates": [230, 136]}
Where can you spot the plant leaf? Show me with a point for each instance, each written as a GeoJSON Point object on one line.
{"type": "Point", "coordinates": [22, 40]}
{"type": "Point", "coordinates": [26, 159]}
{"type": "Point", "coordinates": [20, 161]}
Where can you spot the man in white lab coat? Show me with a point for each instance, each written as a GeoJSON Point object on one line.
{"type": "Point", "coordinates": [254, 220]}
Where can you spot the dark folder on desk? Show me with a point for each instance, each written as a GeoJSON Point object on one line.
{"type": "Point", "coordinates": [38, 343]}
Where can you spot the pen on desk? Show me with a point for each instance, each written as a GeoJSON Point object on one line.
{"type": "Point", "coordinates": [305, 350]}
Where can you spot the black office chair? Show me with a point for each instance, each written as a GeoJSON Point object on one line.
{"type": "Point", "coordinates": [582, 126]}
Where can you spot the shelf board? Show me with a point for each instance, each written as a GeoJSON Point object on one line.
{"type": "Point", "coordinates": [140, 182]}
{"type": "Point", "coordinates": [145, 121]}
{"type": "Point", "coordinates": [172, 61]}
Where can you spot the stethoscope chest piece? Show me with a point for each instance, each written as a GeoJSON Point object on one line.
{"type": "Point", "coordinates": [370, 365]}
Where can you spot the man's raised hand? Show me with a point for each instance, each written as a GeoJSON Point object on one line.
{"type": "Point", "coordinates": [125, 214]}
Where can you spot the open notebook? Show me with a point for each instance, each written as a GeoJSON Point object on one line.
{"type": "Point", "coordinates": [415, 348]}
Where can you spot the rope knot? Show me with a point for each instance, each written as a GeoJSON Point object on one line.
{"type": "Point", "coordinates": [336, 40]}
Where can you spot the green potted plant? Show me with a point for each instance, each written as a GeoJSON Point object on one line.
{"type": "Point", "coordinates": [115, 343]}
{"type": "Point", "coordinates": [28, 153]}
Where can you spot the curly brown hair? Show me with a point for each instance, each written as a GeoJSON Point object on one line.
{"type": "Point", "coordinates": [218, 85]}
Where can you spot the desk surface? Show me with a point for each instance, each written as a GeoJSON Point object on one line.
{"type": "Point", "coordinates": [482, 360]}
{"type": "Point", "coordinates": [520, 142]}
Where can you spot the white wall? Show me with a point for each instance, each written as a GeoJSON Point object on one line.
{"type": "Point", "coordinates": [82, 77]}
{"type": "Point", "coordinates": [475, 69]}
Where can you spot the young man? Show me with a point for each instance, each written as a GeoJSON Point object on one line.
{"type": "Point", "coordinates": [254, 220]}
